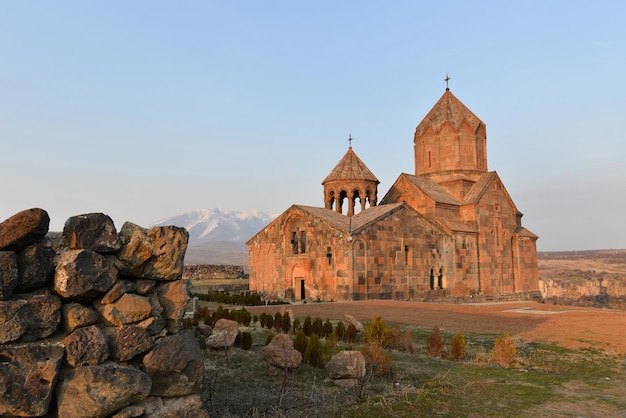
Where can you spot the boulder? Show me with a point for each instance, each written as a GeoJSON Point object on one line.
{"type": "Point", "coordinates": [86, 346]}
{"type": "Point", "coordinates": [8, 274]}
{"type": "Point", "coordinates": [83, 275]}
{"type": "Point", "coordinates": [224, 334]}
{"type": "Point", "coordinates": [145, 286]}
{"type": "Point", "coordinates": [35, 265]}
{"type": "Point", "coordinates": [154, 325]}
{"type": "Point", "coordinates": [155, 407]}
{"type": "Point", "coordinates": [92, 231]}
{"type": "Point", "coordinates": [173, 298]}
{"type": "Point", "coordinates": [129, 308]}
{"type": "Point", "coordinates": [347, 364]}
{"type": "Point", "coordinates": [98, 391]}
{"type": "Point", "coordinates": [203, 329]}
{"type": "Point", "coordinates": [352, 320]}
{"type": "Point", "coordinates": [176, 365]}
{"type": "Point", "coordinates": [23, 229]}
{"type": "Point", "coordinates": [12, 324]}
{"type": "Point", "coordinates": [127, 341]}
{"type": "Point", "coordinates": [28, 374]}
{"type": "Point", "coordinates": [75, 315]}
{"type": "Point", "coordinates": [41, 314]}
{"type": "Point", "coordinates": [156, 253]}
{"type": "Point", "coordinates": [119, 288]}
{"type": "Point", "coordinates": [280, 353]}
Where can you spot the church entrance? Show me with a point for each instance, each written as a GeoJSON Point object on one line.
{"type": "Point", "coordinates": [302, 291]}
{"type": "Point", "coordinates": [299, 289]}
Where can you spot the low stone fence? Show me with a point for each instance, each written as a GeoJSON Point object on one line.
{"type": "Point", "coordinates": [213, 271]}
{"type": "Point", "coordinates": [93, 318]}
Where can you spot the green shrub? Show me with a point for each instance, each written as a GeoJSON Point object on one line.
{"type": "Point", "coordinates": [300, 342]}
{"type": "Point", "coordinates": [457, 347]}
{"type": "Point", "coordinates": [435, 343]}
{"type": "Point", "coordinates": [317, 326]}
{"type": "Point", "coordinates": [286, 323]}
{"type": "Point", "coordinates": [246, 340]}
{"type": "Point", "coordinates": [351, 334]}
{"type": "Point", "coordinates": [308, 326]}
{"type": "Point", "coordinates": [314, 355]}
{"type": "Point", "coordinates": [296, 326]}
{"type": "Point", "coordinates": [269, 338]}
{"type": "Point", "coordinates": [278, 321]}
{"type": "Point", "coordinates": [327, 328]}
{"type": "Point", "coordinates": [377, 332]}
{"type": "Point", "coordinates": [340, 331]}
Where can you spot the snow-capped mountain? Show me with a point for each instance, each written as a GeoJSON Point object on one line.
{"type": "Point", "coordinates": [219, 225]}
{"type": "Point", "coordinates": [217, 236]}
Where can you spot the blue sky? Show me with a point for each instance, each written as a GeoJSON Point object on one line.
{"type": "Point", "coordinates": [146, 109]}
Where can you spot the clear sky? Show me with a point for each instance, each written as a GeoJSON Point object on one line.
{"type": "Point", "coordinates": [146, 109]}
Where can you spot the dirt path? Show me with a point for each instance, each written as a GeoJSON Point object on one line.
{"type": "Point", "coordinates": [572, 327]}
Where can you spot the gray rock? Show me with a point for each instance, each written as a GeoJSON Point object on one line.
{"type": "Point", "coordinates": [347, 364]}
{"type": "Point", "coordinates": [92, 231]}
{"type": "Point", "coordinates": [35, 265]}
{"type": "Point", "coordinates": [83, 275]}
{"type": "Point", "coordinates": [98, 391]}
{"type": "Point", "coordinates": [28, 374]}
{"type": "Point", "coordinates": [75, 315]}
{"type": "Point", "coordinates": [8, 274]}
{"type": "Point", "coordinates": [281, 354]}
{"type": "Point", "coordinates": [155, 407]}
{"type": "Point", "coordinates": [23, 228]}
{"type": "Point", "coordinates": [12, 324]}
{"type": "Point", "coordinates": [42, 316]}
{"type": "Point", "coordinates": [128, 309]}
{"type": "Point", "coordinates": [119, 288]}
{"type": "Point", "coordinates": [174, 297]}
{"type": "Point", "coordinates": [157, 253]}
{"type": "Point", "coordinates": [224, 334]}
{"type": "Point", "coordinates": [127, 341]}
{"type": "Point", "coordinates": [86, 346]}
{"type": "Point", "coordinates": [176, 365]}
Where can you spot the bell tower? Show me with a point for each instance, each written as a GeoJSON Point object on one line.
{"type": "Point", "coordinates": [350, 181]}
{"type": "Point", "coordinates": [450, 143]}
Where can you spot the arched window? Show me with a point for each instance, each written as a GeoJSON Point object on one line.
{"type": "Point", "coordinates": [440, 278]}
{"type": "Point", "coordinates": [432, 279]}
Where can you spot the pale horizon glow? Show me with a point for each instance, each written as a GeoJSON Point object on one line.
{"type": "Point", "coordinates": [144, 110]}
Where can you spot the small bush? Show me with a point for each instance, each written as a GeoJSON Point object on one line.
{"type": "Point", "coordinates": [255, 319]}
{"type": "Point", "coordinates": [300, 342]}
{"type": "Point", "coordinates": [286, 324]}
{"type": "Point", "coordinates": [435, 343]}
{"type": "Point", "coordinates": [308, 326]}
{"type": "Point", "coordinates": [314, 355]}
{"type": "Point", "coordinates": [246, 340]}
{"type": "Point", "coordinates": [351, 334]}
{"type": "Point", "coordinates": [457, 347]}
{"type": "Point", "coordinates": [327, 328]}
{"type": "Point", "coordinates": [340, 331]}
{"type": "Point", "coordinates": [377, 360]}
{"type": "Point", "coordinates": [317, 326]}
{"type": "Point", "coordinates": [278, 321]}
{"type": "Point", "coordinates": [504, 351]}
{"type": "Point", "coordinates": [377, 332]}
{"type": "Point", "coordinates": [296, 325]}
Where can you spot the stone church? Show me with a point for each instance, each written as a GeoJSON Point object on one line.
{"type": "Point", "coordinates": [449, 230]}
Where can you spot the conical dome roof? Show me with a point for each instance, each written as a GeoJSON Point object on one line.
{"type": "Point", "coordinates": [448, 109]}
{"type": "Point", "coordinates": [351, 168]}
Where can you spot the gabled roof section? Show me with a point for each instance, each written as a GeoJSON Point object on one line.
{"type": "Point", "coordinates": [432, 189]}
{"type": "Point", "coordinates": [350, 167]}
{"type": "Point", "coordinates": [478, 189]}
{"type": "Point", "coordinates": [371, 215]}
{"type": "Point", "coordinates": [523, 232]}
{"type": "Point", "coordinates": [448, 109]}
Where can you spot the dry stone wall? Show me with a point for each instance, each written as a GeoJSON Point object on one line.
{"type": "Point", "coordinates": [213, 271]}
{"type": "Point", "coordinates": [91, 320]}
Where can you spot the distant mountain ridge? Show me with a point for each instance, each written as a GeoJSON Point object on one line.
{"type": "Point", "coordinates": [217, 236]}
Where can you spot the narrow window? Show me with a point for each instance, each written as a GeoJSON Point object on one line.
{"type": "Point", "coordinates": [294, 242]}
{"type": "Point", "coordinates": [406, 255]}
{"type": "Point", "coordinates": [303, 242]}
{"type": "Point", "coordinates": [429, 162]}
{"type": "Point", "coordinates": [440, 279]}
{"type": "Point", "coordinates": [432, 279]}
{"type": "Point", "coordinates": [329, 255]}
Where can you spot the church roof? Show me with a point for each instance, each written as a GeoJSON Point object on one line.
{"type": "Point", "coordinates": [350, 167]}
{"type": "Point", "coordinates": [432, 189]}
{"type": "Point", "coordinates": [478, 189]}
{"type": "Point", "coordinates": [448, 109]}
{"type": "Point", "coordinates": [354, 223]}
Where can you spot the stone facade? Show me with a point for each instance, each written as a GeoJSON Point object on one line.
{"type": "Point", "coordinates": [450, 229]}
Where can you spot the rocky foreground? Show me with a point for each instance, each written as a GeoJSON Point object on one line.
{"type": "Point", "coordinates": [91, 320]}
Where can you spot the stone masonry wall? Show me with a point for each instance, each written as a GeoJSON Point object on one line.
{"type": "Point", "coordinates": [213, 271]}
{"type": "Point", "coordinates": [91, 320]}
